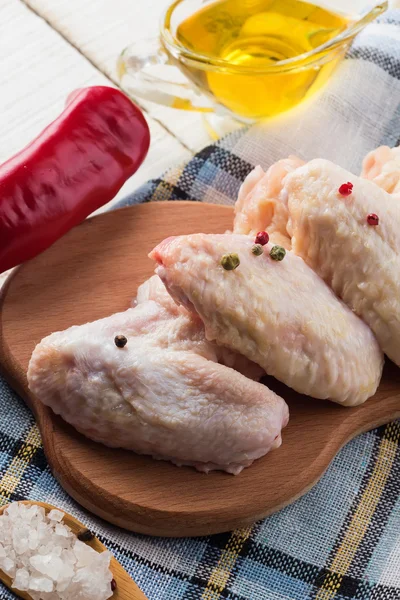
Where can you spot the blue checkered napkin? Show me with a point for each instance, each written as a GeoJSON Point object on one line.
{"type": "Point", "coordinates": [342, 540]}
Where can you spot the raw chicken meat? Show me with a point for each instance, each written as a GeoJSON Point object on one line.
{"type": "Point", "coordinates": [278, 314]}
{"type": "Point", "coordinates": [382, 166]}
{"type": "Point", "coordinates": [259, 208]}
{"type": "Point", "coordinates": [360, 262]}
{"type": "Point", "coordinates": [154, 289]}
{"type": "Point", "coordinates": [162, 394]}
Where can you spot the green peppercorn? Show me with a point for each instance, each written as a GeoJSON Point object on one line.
{"type": "Point", "coordinates": [85, 535]}
{"type": "Point", "coordinates": [257, 249]}
{"type": "Point", "coordinates": [277, 253]}
{"type": "Point", "coordinates": [120, 341]}
{"type": "Point", "coordinates": [230, 262]}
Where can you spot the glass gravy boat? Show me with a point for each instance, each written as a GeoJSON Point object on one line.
{"type": "Point", "coordinates": [164, 71]}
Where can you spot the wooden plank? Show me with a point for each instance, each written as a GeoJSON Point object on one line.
{"type": "Point", "coordinates": [101, 29]}
{"type": "Point", "coordinates": [38, 69]}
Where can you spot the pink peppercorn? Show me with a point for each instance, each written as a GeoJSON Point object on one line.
{"type": "Point", "coordinates": [262, 238]}
{"type": "Point", "coordinates": [373, 220]}
{"type": "Point", "coordinates": [346, 189]}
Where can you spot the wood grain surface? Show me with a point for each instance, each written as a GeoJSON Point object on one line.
{"type": "Point", "coordinates": [39, 68]}
{"type": "Point", "coordinates": [126, 588]}
{"type": "Point", "coordinates": [93, 272]}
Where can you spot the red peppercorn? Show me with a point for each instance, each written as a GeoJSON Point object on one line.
{"type": "Point", "coordinates": [346, 189]}
{"type": "Point", "coordinates": [373, 220]}
{"type": "Point", "coordinates": [113, 585]}
{"type": "Point", "coordinates": [262, 238]}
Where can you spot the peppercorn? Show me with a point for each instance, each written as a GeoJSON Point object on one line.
{"type": "Point", "coordinates": [230, 262]}
{"type": "Point", "coordinates": [113, 585]}
{"type": "Point", "coordinates": [257, 249]}
{"type": "Point", "coordinates": [120, 341]}
{"type": "Point", "coordinates": [277, 253]}
{"type": "Point", "coordinates": [373, 220]}
{"type": "Point", "coordinates": [262, 238]}
{"type": "Point", "coordinates": [85, 535]}
{"type": "Point", "coordinates": [346, 189]}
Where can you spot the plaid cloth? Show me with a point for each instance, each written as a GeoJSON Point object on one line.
{"type": "Point", "coordinates": [342, 540]}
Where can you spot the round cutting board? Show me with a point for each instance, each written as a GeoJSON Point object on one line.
{"type": "Point", "coordinates": [93, 272]}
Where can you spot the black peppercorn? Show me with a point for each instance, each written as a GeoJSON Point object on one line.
{"type": "Point", "coordinates": [120, 341]}
{"type": "Point", "coordinates": [85, 535]}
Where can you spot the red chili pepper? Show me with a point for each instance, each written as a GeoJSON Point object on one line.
{"type": "Point", "coordinates": [77, 164]}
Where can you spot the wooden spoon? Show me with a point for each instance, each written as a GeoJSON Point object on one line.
{"type": "Point", "coordinates": [126, 588]}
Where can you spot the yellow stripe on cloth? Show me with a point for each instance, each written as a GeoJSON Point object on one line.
{"type": "Point", "coordinates": [167, 184]}
{"type": "Point", "coordinates": [220, 575]}
{"type": "Point", "coordinates": [363, 514]}
{"type": "Point", "coordinates": [20, 462]}
{"type": "Point", "coordinates": [174, 174]}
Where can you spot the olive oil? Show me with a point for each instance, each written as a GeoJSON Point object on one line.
{"type": "Point", "coordinates": [253, 36]}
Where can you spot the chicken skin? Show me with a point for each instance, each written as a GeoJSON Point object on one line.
{"type": "Point", "coordinates": [280, 315]}
{"type": "Point", "coordinates": [358, 259]}
{"type": "Point", "coordinates": [382, 166]}
{"type": "Point", "coordinates": [164, 393]}
{"type": "Point", "coordinates": [259, 207]}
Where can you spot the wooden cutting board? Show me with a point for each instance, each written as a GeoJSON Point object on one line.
{"type": "Point", "coordinates": [93, 272]}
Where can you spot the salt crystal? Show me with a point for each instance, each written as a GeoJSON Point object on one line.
{"type": "Point", "coordinates": [43, 531]}
{"type": "Point", "coordinates": [69, 557]}
{"type": "Point", "coordinates": [41, 584]}
{"type": "Point", "coordinates": [32, 511]}
{"type": "Point", "coordinates": [50, 565]}
{"type": "Point", "coordinates": [33, 539]}
{"type": "Point", "coordinates": [66, 574]}
{"type": "Point", "coordinates": [57, 550]}
{"type": "Point", "coordinates": [8, 566]}
{"type": "Point", "coordinates": [62, 586]}
{"type": "Point", "coordinates": [21, 581]}
{"type": "Point", "coordinates": [61, 530]}
{"type": "Point", "coordinates": [55, 515]}
{"type": "Point", "coordinates": [44, 549]}
{"type": "Point", "coordinates": [12, 510]}
{"type": "Point", "coordinates": [20, 540]}
{"type": "Point", "coordinates": [84, 554]}
{"type": "Point", "coordinates": [40, 563]}
{"type": "Point", "coordinates": [46, 560]}
{"type": "Point", "coordinates": [22, 508]}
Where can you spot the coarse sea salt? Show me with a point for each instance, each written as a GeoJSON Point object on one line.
{"type": "Point", "coordinates": [45, 559]}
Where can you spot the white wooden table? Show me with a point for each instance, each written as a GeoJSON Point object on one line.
{"type": "Point", "coordinates": [50, 47]}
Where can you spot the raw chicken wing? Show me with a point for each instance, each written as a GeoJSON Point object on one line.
{"type": "Point", "coordinates": [382, 166]}
{"type": "Point", "coordinates": [278, 314]}
{"type": "Point", "coordinates": [154, 289]}
{"type": "Point", "coordinates": [359, 261]}
{"type": "Point", "coordinates": [259, 208]}
{"type": "Point", "coordinates": [163, 393]}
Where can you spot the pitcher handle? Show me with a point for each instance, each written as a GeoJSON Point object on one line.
{"type": "Point", "coordinates": [139, 69]}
